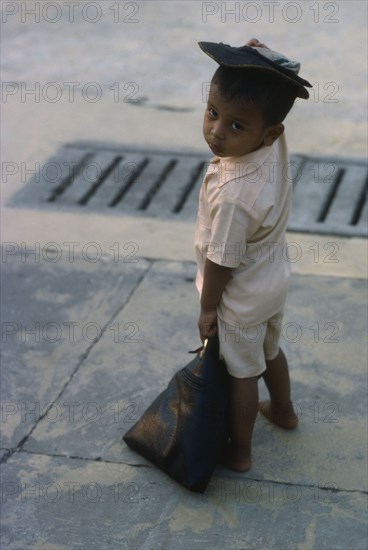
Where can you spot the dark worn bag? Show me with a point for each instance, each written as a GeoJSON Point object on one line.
{"type": "Point", "coordinates": [185, 429]}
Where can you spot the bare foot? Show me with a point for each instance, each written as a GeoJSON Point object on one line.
{"type": "Point", "coordinates": [237, 458]}
{"type": "Point", "coordinates": [285, 418]}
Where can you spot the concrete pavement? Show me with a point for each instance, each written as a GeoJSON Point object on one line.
{"type": "Point", "coordinates": [89, 341]}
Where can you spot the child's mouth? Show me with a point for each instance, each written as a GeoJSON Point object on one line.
{"type": "Point", "coordinates": [216, 150]}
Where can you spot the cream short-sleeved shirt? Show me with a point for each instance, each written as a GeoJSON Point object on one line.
{"type": "Point", "coordinates": [243, 211]}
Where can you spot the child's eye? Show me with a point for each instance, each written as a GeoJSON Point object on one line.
{"type": "Point", "coordinates": [236, 126]}
{"type": "Point", "coordinates": [212, 113]}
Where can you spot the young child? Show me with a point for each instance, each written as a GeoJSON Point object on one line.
{"type": "Point", "coordinates": [244, 203]}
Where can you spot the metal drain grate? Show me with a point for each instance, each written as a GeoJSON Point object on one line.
{"type": "Point", "coordinates": [330, 197]}
{"type": "Point", "coordinates": [330, 194]}
{"type": "Point", "coordinates": [117, 180]}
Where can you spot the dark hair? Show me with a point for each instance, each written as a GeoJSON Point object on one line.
{"type": "Point", "coordinates": [274, 96]}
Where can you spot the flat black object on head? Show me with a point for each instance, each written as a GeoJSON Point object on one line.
{"type": "Point", "coordinates": [248, 58]}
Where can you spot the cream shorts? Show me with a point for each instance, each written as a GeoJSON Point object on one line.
{"type": "Point", "coordinates": [245, 348]}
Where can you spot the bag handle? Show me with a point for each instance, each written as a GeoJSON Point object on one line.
{"type": "Point", "coordinates": [200, 350]}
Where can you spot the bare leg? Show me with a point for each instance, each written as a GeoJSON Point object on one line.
{"type": "Point", "coordinates": [244, 408]}
{"type": "Point", "coordinates": [279, 410]}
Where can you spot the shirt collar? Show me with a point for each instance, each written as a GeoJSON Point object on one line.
{"type": "Point", "coordinates": [231, 168]}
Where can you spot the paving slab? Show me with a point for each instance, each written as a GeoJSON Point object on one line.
{"type": "Point", "coordinates": [72, 504]}
{"type": "Point", "coordinates": [129, 366]}
{"type": "Point", "coordinates": [134, 237]}
{"type": "Point", "coordinates": [306, 488]}
{"type": "Point", "coordinates": [54, 308]}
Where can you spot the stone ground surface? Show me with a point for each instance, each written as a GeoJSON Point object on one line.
{"type": "Point", "coordinates": [88, 340]}
{"type": "Point", "coordinates": [87, 345]}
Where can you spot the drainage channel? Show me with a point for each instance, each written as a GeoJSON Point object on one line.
{"type": "Point", "coordinates": [330, 193]}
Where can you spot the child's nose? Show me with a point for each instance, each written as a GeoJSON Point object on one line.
{"type": "Point", "coordinates": [217, 130]}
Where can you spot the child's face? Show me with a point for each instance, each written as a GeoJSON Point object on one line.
{"type": "Point", "coordinates": [233, 129]}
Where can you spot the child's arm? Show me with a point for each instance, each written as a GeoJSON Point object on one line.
{"type": "Point", "coordinates": [214, 281]}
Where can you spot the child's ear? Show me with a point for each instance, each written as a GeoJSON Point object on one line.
{"type": "Point", "coordinates": [272, 133]}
